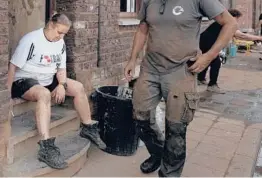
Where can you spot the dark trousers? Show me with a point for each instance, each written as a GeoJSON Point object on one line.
{"type": "Point", "coordinates": [214, 72]}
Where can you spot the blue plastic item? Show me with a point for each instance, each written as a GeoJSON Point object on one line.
{"type": "Point", "coordinates": [232, 50]}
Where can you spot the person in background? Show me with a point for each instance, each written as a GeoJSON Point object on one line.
{"type": "Point", "coordinates": [207, 40]}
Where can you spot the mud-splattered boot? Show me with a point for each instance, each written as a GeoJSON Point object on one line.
{"type": "Point", "coordinates": [50, 154]}
{"type": "Point", "coordinates": [91, 132]}
{"type": "Point", "coordinates": [150, 134]}
{"type": "Point", "coordinates": [174, 154]}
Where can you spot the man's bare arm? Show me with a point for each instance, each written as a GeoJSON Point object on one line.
{"type": "Point", "coordinates": [138, 44]}
{"type": "Point", "coordinates": [229, 27]}
{"type": "Point", "coordinates": [246, 36]}
{"type": "Point", "coordinates": [139, 40]}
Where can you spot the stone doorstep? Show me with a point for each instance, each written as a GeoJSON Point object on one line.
{"type": "Point", "coordinates": [18, 101]}
{"type": "Point", "coordinates": [72, 146]}
{"type": "Point", "coordinates": [24, 133]}
{"type": "Point", "coordinates": [20, 106]}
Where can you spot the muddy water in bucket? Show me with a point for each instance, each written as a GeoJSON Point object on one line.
{"type": "Point", "coordinates": [117, 128]}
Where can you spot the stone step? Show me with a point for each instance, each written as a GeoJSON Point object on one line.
{"type": "Point", "coordinates": [20, 106]}
{"type": "Point", "coordinates": [24, 135]}
{"type": "Point", "coordinates": [72, 146]}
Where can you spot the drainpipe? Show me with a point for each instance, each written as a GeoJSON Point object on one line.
{"type": "Point", "coordinates": [47, 10]}
{"type": "Point", "coordinates": [99, 35]}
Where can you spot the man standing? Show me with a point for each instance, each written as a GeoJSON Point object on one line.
{"type": "Point", "coordinates": [207, 40]}
{"type": "Point", "coordinates": [168, 69]}
{"type": "Point", "coordinates": [37, 72]}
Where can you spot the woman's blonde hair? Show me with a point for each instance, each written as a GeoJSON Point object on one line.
{"type": "Point", "coordinates": [61, 19]}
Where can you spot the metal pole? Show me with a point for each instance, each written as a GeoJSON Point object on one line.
{"type": "Point", "coordinates": [99, 34]}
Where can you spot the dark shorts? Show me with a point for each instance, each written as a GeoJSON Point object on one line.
{"type": "Point", "coordinates": [21, 86]}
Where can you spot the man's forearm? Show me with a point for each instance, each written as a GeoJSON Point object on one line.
{"type": "Point", "coordinates": [139, 41]}
{"type": "Point", "coordinates": [224, 37]}
{"type": "Point", "coordinates": [61, 75]}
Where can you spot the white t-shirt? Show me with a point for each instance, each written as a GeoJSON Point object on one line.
{"type": "Point", "coordinates": [38, 58]}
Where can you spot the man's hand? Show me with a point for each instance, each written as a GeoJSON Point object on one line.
{"type": "Point", "coordinates": [201, 63]}
{"type": "Point", "coordinates": [59, 94]}
{"type": "Point", "coordinates": [129, 70]}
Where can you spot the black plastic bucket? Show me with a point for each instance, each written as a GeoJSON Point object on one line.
{"type": "Point", "coordinates": [113, 109]}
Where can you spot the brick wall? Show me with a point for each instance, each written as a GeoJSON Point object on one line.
{"type": "Point", "coordinates": [251, 10]}
{"type": "Point", "coordinates": [82, 42]}
{"type": "Point", "coordinates": [4, 101]}
{"type": "Point", "coordinates": [4, 30]}
{"type": "Point", "coordinates": [246, 7]}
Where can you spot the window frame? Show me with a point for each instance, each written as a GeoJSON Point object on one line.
{"type": "Point", "coordinates": [131, 14]}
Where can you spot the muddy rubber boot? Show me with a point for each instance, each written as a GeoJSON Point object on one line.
{"type": "Point", "coordinates": [174, 154]}
{"type": "Point", "coordinates": [91, 132]}
{"type": "Point", "coordinates": [151, 164]}
{"type": "Point", "coordinates": [150, 134]}
{"type": "Point", "coordinates": [50, 154]}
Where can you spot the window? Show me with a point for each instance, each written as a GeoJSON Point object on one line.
{"type": "Point", "coordinates": [129, 8]}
